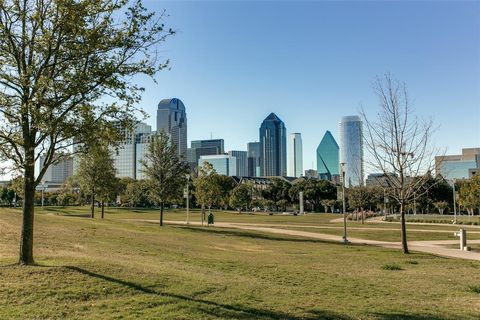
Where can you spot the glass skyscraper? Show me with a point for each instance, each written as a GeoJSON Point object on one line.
{"type": "Point", "coordinates": [295, 155]}
{"type": "Point", "coordinates": [172, 118]}
{"type": "Point", "coordinates": [273, 147]}
{"type": "Point", "coordinates": [242, 162]}
{"type": "Point", "coordinates": [327, 157]}
{"type": "Point", "coordinates": [253, 154]}
{"type": "Point", "coordinates": [200, 148]}
{"type": "Point", "coordinates": [222, 163]}
{"type": "Point", "coordinates": [126, 158]}
{"type": "Point", "coordinates": [351, 149]}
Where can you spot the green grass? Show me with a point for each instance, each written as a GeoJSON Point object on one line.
{"type": "Point", "coordinates": [442, 218]}
{"type": "Point", "coordinates": [475, 289]}
{"type": "Point", "coordinates": [124, 269]}
{"type": "Point", "coordinates": [392, 266]}
{"type": "Point", "coordinates": [372, 232]}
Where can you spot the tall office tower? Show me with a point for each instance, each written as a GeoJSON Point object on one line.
{"type": "Point", "coordinates": [126, 158]}
{"type": "Point", "coordinates": [222, 163]}
{"type": "Point", "coordinates": [200, 148]}
{"type": "Point", "coordinates": [172, 118]}
{"type": "Point", "coordinates": [142, 142]}
{"type": "Point", "coordinates": [253, 154]}
{"type": "Point", "coordinates": [58, 172]}
{"type": "Point", "coordinates": [273, 147]}
{"type": "Point", "coordinates": [295, 155]}
{"type": "Point", "coordinates": [327, 157]}
{"type": "Point", "coordinates": [242, 162]}
{"type": "Point", "coordinates": [351, 150]}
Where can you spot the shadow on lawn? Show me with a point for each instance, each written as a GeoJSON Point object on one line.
{"type": "Point", "coordinates": [404, 316]}
{"type": "Point", "coordinates": [261, 235]}
{"type": "Point", "coordinates": [216, 309]}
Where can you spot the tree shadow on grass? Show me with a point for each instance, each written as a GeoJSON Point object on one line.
{"type": "Point", "coordinates": [405, 316]}
{"type": "Point", "coordinates": [62, 211]}
{"type": "Point", "coordinates": [216, 309]}
{"type": "Point", "coordinates": [262, 235]}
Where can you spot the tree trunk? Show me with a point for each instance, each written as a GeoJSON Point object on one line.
{"type": "Point", "coordinates": [363, 216]}
{"type": "Point", "coordinates": [26, 241]}
{"type": "Point", "coordinates": [161, 213]}
{"type": "Point", "coordinates": [93, 206]}
{"type": "Point", "coordinates": [404, 229]}
{"type": "Point", "coordinates": [203, 213]}
{"type": "Point", "coordinates": [103, 209]}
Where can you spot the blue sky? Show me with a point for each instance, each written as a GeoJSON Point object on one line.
{"type": "Point", "coordinates": [232, 63]}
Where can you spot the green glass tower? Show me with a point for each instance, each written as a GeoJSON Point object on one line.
{"type": "Point", "coordinates": [327, 157]}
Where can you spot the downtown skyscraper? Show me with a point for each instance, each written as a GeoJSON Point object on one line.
{"type": "Point", "coordinates": [351, 150]}
{"type": "Point", "coordinates": [328, 157]}
{"type": "Point", "coordinates": [273, 147]}
{"type": "Point", "coordinates": [295, 155]}
{"type": "Point", "coordinates": [253, 154]}
{"type": "Point", "coordinates": [172, 119]}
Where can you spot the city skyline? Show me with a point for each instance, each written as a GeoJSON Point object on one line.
{"type": "Point", "coordinates": [344, 46]}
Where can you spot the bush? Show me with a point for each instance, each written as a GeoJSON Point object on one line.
{"type": "Point", "coordinates": [366, 215]}
{"type": "Point", "coordinates": [474, 289]}
{"type": "Point", "coordinates": [392, 266]}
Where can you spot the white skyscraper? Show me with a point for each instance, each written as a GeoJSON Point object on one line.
{"type": "Point", "coordinates": [351, 150]}
{"type": "Point", "coordinates": [126, 158]}
{"type": "Point", "coordinates": [295, 155]}
{"type": "Point", "coordinates": [58, 172]}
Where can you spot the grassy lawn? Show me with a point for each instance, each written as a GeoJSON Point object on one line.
{"type": "Point", "coordinates": [123, 269]}
{"type": "Point", "coordinates": [444, 218]}
{"type": "Point", "coordinates": [383, 234]}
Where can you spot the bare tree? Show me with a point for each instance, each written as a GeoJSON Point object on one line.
{"type": "Point", "coordinates": [399, 145]}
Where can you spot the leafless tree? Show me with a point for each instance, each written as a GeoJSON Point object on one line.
{"type": "Point", "coordinates": [398, 143]}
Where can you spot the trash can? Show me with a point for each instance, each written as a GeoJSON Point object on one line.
{"type": "Point", "coordinates": [211, 219]}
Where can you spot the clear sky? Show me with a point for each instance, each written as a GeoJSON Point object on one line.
{"type": "Point", "coordinates": [232, 63]}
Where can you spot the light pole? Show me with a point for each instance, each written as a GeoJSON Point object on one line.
{"type": "Point", "coordinates": [188, 198]}
{"type": "Point", "coordinates": [414, 203]}
{"type": "Point", "coordinates": [384, 204]}
{"type": "Point", "coordinates": [345, 240]}
{"type": "Point", "coordinates": [43, 191]}
{"type": "Point", "coordinates": [454, 204]}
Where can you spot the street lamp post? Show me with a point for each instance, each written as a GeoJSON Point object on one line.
{"type": "Point", "coordinates": [454, 203]}
{"type": "Point", "coordinates": [43, 191]}
{"type": "Point", "coordinates": [414, 203]}
{"type": "Point", "coordinates": [345, 240]}
{"type": "Point", "coordinates": [384, 204]}
{"type": "Point", "coordinates": [188, 198]}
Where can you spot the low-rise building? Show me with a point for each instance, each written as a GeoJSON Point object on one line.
{"type": "Point", "coordinates": [222, 163]}
{"type": "Point", "coordinates": [461, 166]}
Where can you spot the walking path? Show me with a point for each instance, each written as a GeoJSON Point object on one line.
{"type": "Point", "coordinates": [435, 247]}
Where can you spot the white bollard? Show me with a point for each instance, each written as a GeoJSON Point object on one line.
{"type": "Point", "coordinates": [462, 233]}
{"type": "Point", "coordinates": [301, 202]}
